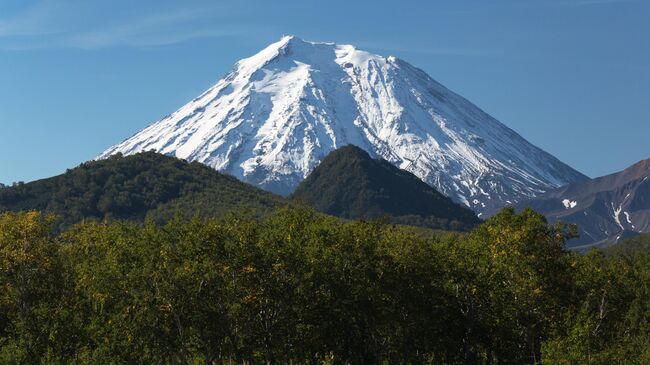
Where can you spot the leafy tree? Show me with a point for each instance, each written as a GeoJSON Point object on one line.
{"type": "Point", "coordinates": [301, 287]}
{"type": "Point", "coordinates": [611, 321]}
{"type": "Point", "coordinates": [32, 288]}
{"type": "Point", "coordinates": [511, 277]}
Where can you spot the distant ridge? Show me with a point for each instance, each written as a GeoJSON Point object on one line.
{"type": "Point", "coordinates": [607, 209]}
{"type": "Point", "coordinates": [349, 183]}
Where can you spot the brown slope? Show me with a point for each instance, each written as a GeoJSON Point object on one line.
{"type": "Point", "coordinates": [607, 209]}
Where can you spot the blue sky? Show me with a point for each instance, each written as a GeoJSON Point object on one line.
{"type": "Point", "coordinates": [571, 76]}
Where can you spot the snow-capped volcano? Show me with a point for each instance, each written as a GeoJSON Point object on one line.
{"type": "Point", "coordinates": [277, 114]}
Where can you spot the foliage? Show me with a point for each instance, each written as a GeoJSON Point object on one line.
{"type": "Point", "coordinates": [348, 183]}
{"type": "Point", "coordinates": [609, 322]}
{"type": "Point", "coordinates": [134, 187]}
{"type": "Point", "coordinates": [301, 287]}
{"type": "Point", "coordinates": [32, 288]}
{"type": "Point", "coordinates": [639, 244]}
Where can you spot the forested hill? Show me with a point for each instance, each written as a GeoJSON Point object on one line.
{"type": "Point", "coordinates": [137, 186]}
{"type": "Point", "coordinates": [349, 183]}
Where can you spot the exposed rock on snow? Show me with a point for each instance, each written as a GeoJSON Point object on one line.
{"type": "Point", "coordinates": [277, 114]}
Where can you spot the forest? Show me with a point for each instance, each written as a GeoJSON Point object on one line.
{"type": "Point", "coordinates": [300, 287]}
{"type": "Point", "coordinates": [146, 185]}
{"type": "Point", "coordinates": [155, 186]}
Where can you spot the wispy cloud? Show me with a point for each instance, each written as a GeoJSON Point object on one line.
{"type": "Point", "coordinates": [429, 50]}
{"type": "Point", "coordinates": [452, 51]}
{"type": "Point", "coordinates": [594, 2]}
{"type": "Point", "coordinates": [48, 25]}
{"type": "Point", "coordinates": [151, 30]}
{"type": "Point", "coordinates": [32, 22]}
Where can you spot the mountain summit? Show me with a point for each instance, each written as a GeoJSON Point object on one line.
{"type": "Point", "coordinates": [277, 114]}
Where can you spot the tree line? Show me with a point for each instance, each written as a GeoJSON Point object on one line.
{"type": "Point", "coordinates": [147, 184]}
{"type": "Point", "coordinates": [301, 287]}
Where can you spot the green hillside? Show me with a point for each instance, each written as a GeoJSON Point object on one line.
{"type": "Point", "coordinates": [350, 184]}
{"type": "Point", "coordinates": [135, 187]}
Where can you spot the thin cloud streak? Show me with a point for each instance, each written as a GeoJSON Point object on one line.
{"type": "Point", "coordinates": [594, 2]}
{"type": "Point", "coordinates": [153, 30]}
{"type": "Point", "coordinates": [434, 51]}
{"type": "Point", "coordinates": [33, 22]}
{"type": "Point", "coordinates": [40, 28]}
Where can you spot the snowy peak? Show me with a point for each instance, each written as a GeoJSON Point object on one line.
{"type": "Point", "coordinates": [277, 114]}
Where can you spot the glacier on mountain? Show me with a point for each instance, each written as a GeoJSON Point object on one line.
{"type": "Point", "coordinates": [277, 114]}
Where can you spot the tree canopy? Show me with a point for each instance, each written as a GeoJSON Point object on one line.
{"type": "Point", "coordinates": [301, 287]}
{"type": "Point", "coordinates": [134, 187]}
